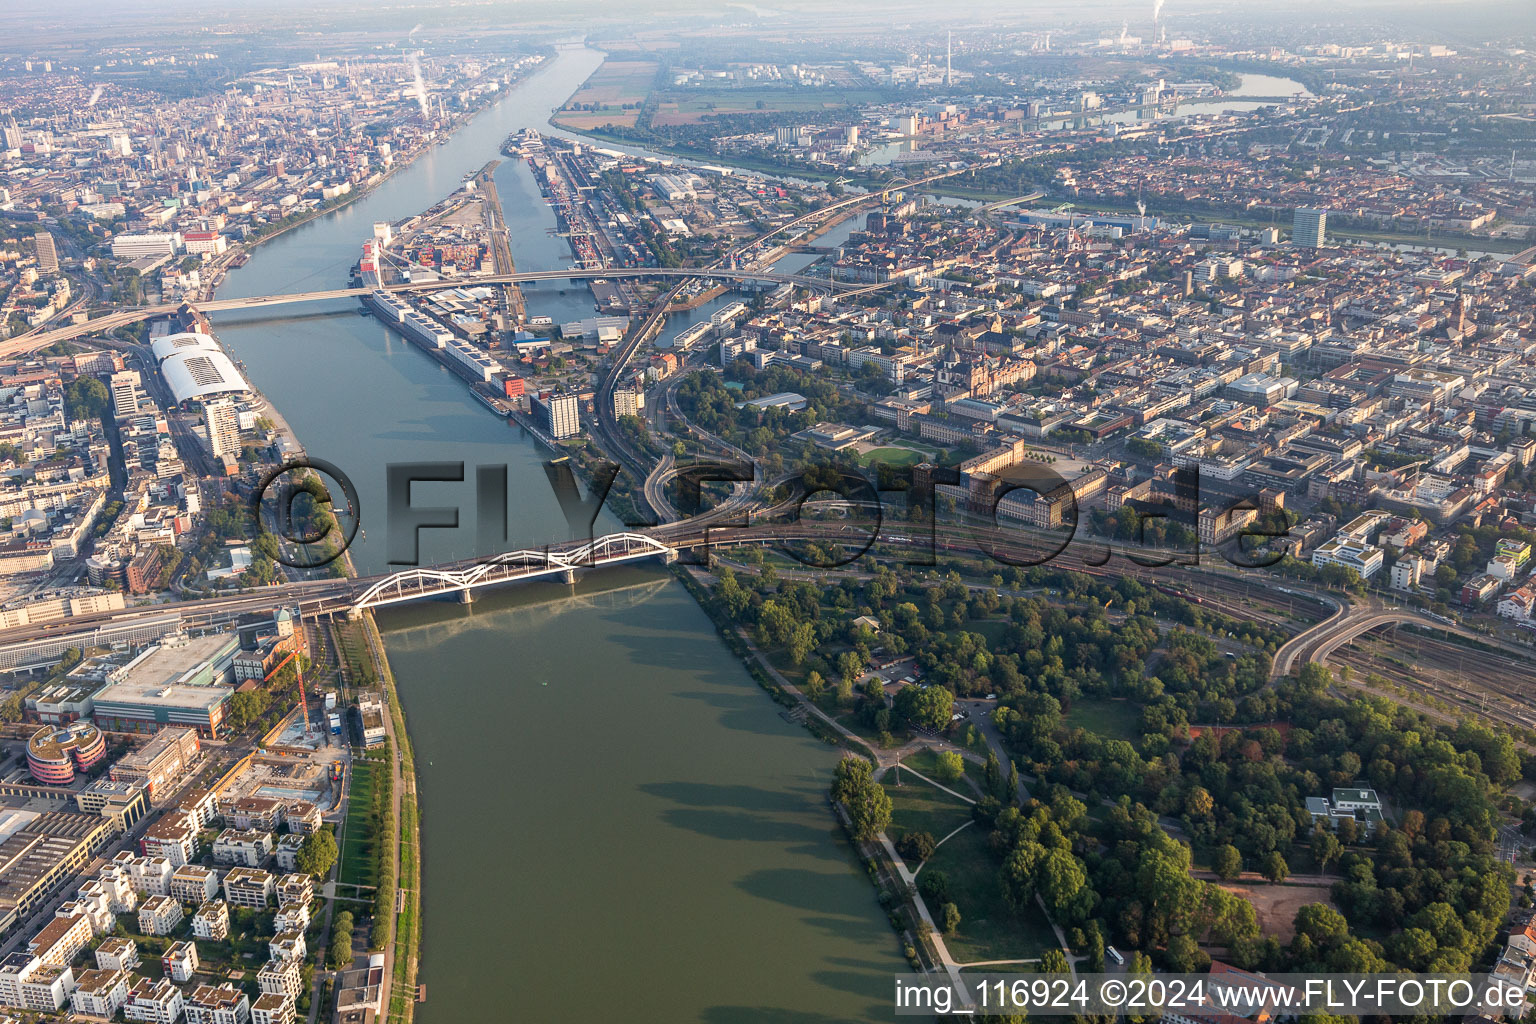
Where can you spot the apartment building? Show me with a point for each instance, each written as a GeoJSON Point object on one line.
{"type": "Point", "coordinates": [180, 961]}
{"type": "Point", "coordinates": [151, 875]}
{"type": "Point", "coordinates": [211, 922]}
{"type": "Point", "coordinates": [297, 889]}
{"type": "Point", "coordinates": [248, 887]}
{"type": "Point", "coordinates": [273, 1008]}
{"type": "Point", "coordinates": [248, 847]}
{"type": "Point", "coordinates": [217, 1004]}
{"type": "Point", "coordinates": [117, 954]}
{"type": "Point", "coordinates": [282, 977]}
{"type": "Point", "coordinates": [61, 940]}
{"type": "Point", "coordinates": [99, 993]}
{"type": "Point", "coordinates": [159, 915]}
{"type": "Point", "coordinates": [288, 946]}
{"type": "Point", "coordinates": [194, 883]}
{"type": "Point", "coordinates": [173, 837]}
{"type": "Point", "coordinates": [153, 1002]}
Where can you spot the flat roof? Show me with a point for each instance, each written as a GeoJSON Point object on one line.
{"type": "Point", "coordinates": [157, 677]}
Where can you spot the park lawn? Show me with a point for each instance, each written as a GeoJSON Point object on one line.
{"type": "Point", "coordinates": [1114, 719]}
{"type": "Point", "coordinates": [988, 930]}
{"type": "Point", "coordinates": [918, 807]}
{"type": "Point", "coordinates": [893, 457]}
{"type": "Point", "coordinates": [927, 762]}
{"type": "Point", "coordinates": [356, 842]}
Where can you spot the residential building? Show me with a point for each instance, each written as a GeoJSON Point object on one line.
{"type": "Point", "coordinates": [117, 954]}
{"type": "Point", "coordinates": [211, 921]}
{"type": "Point", "coordinates": [173, 837]}
{"type": "Point", "coordinates": [153, 1002]}
{"type": "Point", "coordinates": [283, 977]}
{"type": "Point", "coordinates": [180, 961]}
{"type": "Point", "coordinates": [61, 940]}
{"type": "Point", "coordinates": [217, 1004]}
{"type": "Point", "coordinates": [222, 421]}
{"type": "Point", "coordinates": [295, 889]}
{"type": "Point", "coordinates": [99, 993]}
{"type": "Point", "coordinates": [194, 883]}
{"type": "Point", "coordinates": [159, 915]}
{"type": "Point", "coordinates": [273, 1008]}
{"type": "Point", "coordinates": [248, 847]}
{"type": "Point", "coordinates": [248, 887]}
{"type": "Point", "coordinates": [288, 946]}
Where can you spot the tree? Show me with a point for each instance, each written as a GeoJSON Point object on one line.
{"type": "Point", "coordinates": [317, 854]}
{"type": "Point", "coordinates": [951, 918]}
{"type": "Point", "coordinates": [1275, 868]}
{"type": "Point", "coordinates": [870, 812]}
{"type": "Point", "coordinates": [929, 708]}
{"type": "Point", "coordinates": [1227, 862]}
{"type": "Point", "coordinates": [86, 398]}
{"type": "Point", "coordinates": [1325, 848]}
{"type": "Point", "coordinates": [917, 846]}
{"type": "Point", "coordinates": [851, 775]}
{"type": "Point", "coordinates": [951, 766]}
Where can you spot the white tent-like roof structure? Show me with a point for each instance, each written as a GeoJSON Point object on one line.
{"type": "Point", "coordinates": [195, 367]}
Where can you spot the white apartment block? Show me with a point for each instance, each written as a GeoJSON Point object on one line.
{"type": "Point", "coordinates": [180, 961]}
{"type": "Point", "coordinates": [159, 915]}
{"type": "Point", "coordinates": [211, 921]}
{"type": "Point", "coordinates": [119, 885]}
{"type": "Point", "coordinates": [99, 993]}
{"type": "Point", "coordinates": [249, 847]}
{"type": "Point", "coordinates": [151, 876]}
{"type": "Point", "coordinates": [287, 852]}
{"type": "Point", "coordinates": [173, 837]}
{"type": "Point", "coordinates": [288, 946]}
{"type": "Point", "coordinates": [283, 977]}
{"type": "Point", "coordinates": [117, 954]}
{"type": "Point", "coordinates": [153, 1002]}
{"type": "Point", "coordinates": [272, 1008]}
{"type": "Point", "coordinates": [295, 888]}
{"type": "Point", "coordinates": [292, 918]}
{"type": "Point", "coordinates": [248, 887]}
{"type": "Point", "coordinates": [61, 940]}
{"type": "Point", "coordinates": [194, 883]}
{"type": "Point", "coordinates": [221, 1004]}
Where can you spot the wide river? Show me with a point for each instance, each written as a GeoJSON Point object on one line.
{"type": "Point", "coordinates": [617, 824]}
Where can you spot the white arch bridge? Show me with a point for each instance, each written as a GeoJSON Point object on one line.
{"type": "Point", "coordinates": [510, 567]}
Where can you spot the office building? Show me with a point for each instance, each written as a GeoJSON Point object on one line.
{"type": "Point", "coordinates": [1311, 228]}
{"type": "Point", "coordinates": [55, 753]}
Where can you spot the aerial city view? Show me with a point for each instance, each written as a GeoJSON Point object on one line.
{"type": "Point", "coordinates": [684, 513]}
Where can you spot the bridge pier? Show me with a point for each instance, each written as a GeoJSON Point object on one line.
{"type": "Point", "coordinates": [466, 596]}
{"type": "Point", "coordinates": [569, 576]}
{"type": "Point", "coordinates": [669, 556]}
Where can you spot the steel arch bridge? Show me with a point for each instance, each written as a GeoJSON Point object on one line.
{"type": "Point", "coordinates": [511, 567]}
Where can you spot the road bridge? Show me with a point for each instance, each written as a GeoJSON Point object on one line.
{"type": "Point", "coordinates": [122, 318]}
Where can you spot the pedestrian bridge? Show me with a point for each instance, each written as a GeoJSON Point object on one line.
{"type": "Point", "coordinates": [510, 567]}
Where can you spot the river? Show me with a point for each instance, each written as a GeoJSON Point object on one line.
{"type": "Point", "coordinates": [617, 824]}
